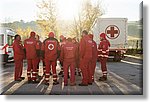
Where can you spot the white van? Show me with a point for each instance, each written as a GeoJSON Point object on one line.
{"type": "Point", "coordinates": [116, 32]}
{"type": "Point", "coordinates": [6, 41]}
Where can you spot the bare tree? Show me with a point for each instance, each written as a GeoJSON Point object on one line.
{"type": "Point", "coordinates": [47, 17]}
{"type": "Point", "coordinates": [23, 32]}
{"type": "Point", "coordinates": [87, 16]}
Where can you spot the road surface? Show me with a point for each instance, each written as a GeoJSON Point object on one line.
{"type": "Point", "coordinates": [124, 78]}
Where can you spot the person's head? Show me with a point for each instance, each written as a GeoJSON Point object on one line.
{"type": "Point", "coordinates": [51, 35]}
{"type": "Point", "coordinates": [62, 38]}
{"type": "Point", "coordinates": [84, 32]}
{"type": "Point", "coordinates": [69, 39]}
{"type": "Point", "coordinates": [37, 37]}
{"type": "Point", "coordinates": [74, 40]}
{"type": "Point", "coordinates": [32, 34]}
{"type": "Point", "coordinates": [102, 36]}
{"type": "Point", "coordinates": [91, 36]}
{"type": "Point", "coordinates": [18, 37]}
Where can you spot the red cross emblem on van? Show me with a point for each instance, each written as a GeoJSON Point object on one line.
{"type": "Point", "coordinates": [112, 31]}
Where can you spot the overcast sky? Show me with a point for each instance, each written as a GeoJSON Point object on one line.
{"type": "Point", "coordinates": [15, 10]}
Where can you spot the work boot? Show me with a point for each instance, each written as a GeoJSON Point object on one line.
{"type": "Point", "coordinates": [43, 74]}
{"type": "Point", "coordinates": [103, 78]}
{"type": "Point", "coordinates": [83, 84]}
{"type": "Point", "coordinates": [22, 78]}
{"type": "Point", "coordinates": [55, 82]}
{"type": "Point", "coordinates": [89, 83]}
{"type": "Point", "coordinates": [39, 77]}
{"type": "Point", "coordinates": [60, 73]}
{"type": "Point", "coordinates": [35, 81]}
{"type": "Point", "coordinates": [19, 79]}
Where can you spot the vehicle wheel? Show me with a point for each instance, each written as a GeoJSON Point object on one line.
{"type": "Point", "coordinates": [117, 57]}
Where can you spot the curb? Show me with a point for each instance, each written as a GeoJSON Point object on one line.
{"type": "Point", "coordinates": [134, 57]}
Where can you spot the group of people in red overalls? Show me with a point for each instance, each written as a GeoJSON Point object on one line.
{"type": "Point", "coordinates": [74, 57]}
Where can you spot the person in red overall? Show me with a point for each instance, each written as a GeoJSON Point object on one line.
{"type": "Point", "coordinates": [62, 43]}
{"type": "Point", "coordinates": [85, 52]}
{"type": "Point", "coordinates": [39, 44]}
{"type": "Point", "coordinates": [103, 52]}
{"type": "Point", "coordinates": [77, 60]}
{"type": "Point", "coordinates": [19, 55]}
{"type": "Point", "coordinates": [69, 56]}
{"type": "Point", "coordinates": [51, 51]}
{"type": "Point", "coordinates": [94, 56]}
{"type": "Point", "coordinates": [30, 46]}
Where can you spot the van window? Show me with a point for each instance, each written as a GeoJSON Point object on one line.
{"type": "Point", "coordinates": [10, 40]}
{"type": "Point", "coordinates": [2, 40]}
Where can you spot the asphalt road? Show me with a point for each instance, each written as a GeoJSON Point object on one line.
{"type": "Point", "coordinates": [124, 78]}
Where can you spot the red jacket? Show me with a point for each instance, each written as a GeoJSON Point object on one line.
{"type": "Point", "coordinates": [18, 50]}
{"type": "Point", "coordinates": [85, 48]}
{"type": "Point", "coordinates": [30, 45]}
{"type": "Point", "coordinates": [69, 52]}
{"type": "Point", "coordinates": [94, 51]}
{"type": "Point", "coordinates": [103, 48]}
{"type": "Point", "coordinates": [51, 49]}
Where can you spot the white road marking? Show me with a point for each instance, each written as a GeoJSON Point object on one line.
{"type": "Point", "coordinates": [40, 83]}
{"type": "Point", "coordinates": [14, 87]}
{"type": "Point", "coordinates": [49, 87]}
{"type": "Point", "coordinates": [42, 89]}
{"type": "Point", "coordinates": [133, 57]}
{"type": "Point", "coordinates": [123, 84]}
{"type": "Point", "coordinates": [139, 64]}
{"type": "Point", "coordinates": [104, 87]}
{"type": "Point", "coordinates": [41, 73]}
{"type": "Point", "coordinates": [3, 73]}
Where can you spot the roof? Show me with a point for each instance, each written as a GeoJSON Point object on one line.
{"type": "Point", "coordinates": [9, 31]}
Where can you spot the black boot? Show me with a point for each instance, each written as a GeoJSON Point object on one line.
{"type": "Point", "coordinates": [55, 82]}
{"type": "Point", "coordinates": [61, 72]}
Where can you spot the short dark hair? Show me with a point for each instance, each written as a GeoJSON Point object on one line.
{"type": "Point", "coordinates": [69, 39]}
{"type": "Point", "coordinates": [85, 32]}
{"type": "Point", "coordinates": [16, 36]}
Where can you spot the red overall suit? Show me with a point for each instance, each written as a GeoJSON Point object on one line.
{"type": "Point", "coordinates": [38, 47]}
{"type": "Point", "coordinates": [85, 51]}
{"type": "Point", "coordinates": [103, 52]}
{"type": "Point", "coordinates": [94, 57]}
{"type": "Point", "coordinates": [77, 47]}
{"type": "Point", "coordinates": [19, 55]}
{"type": "Point", "coordinates": [51, 50]}
{"type": "Point", "coordinates": [68, 56]}
{"type": "Point", "coordinates": [30, 45]}
{"type": "Point", "coordinates": [62, 43]}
